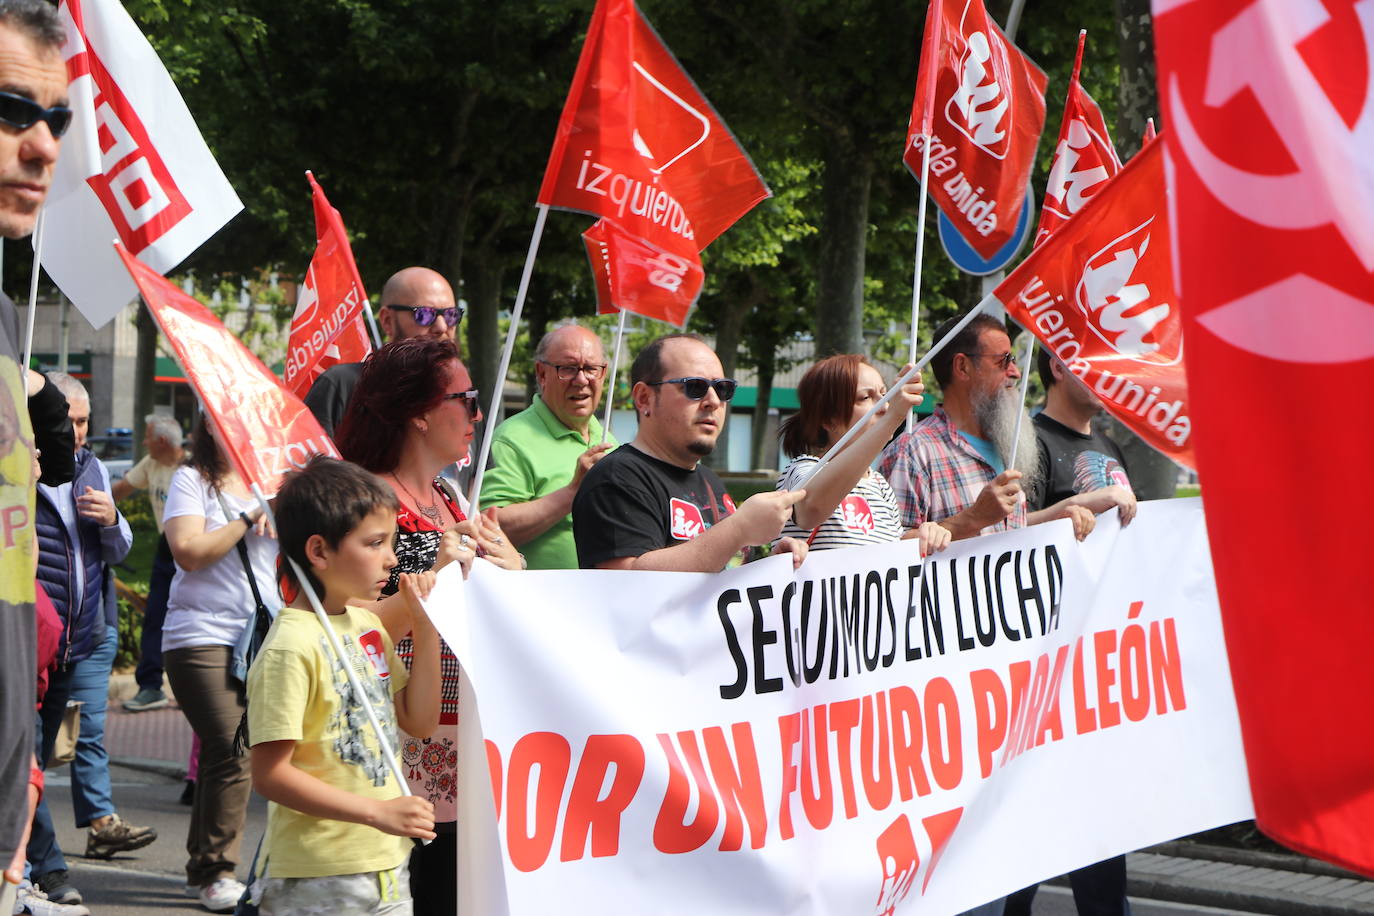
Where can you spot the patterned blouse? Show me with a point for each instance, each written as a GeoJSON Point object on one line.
{"type": "Point", "coordinates": [431, 763]}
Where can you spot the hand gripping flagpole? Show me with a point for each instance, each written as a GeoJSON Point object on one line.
{"type": "Point", "coordinates": [33, 289]}
{"type": "Point", "coordinates": [1025, 386]}
{"type": "Point", "coordinates": [500, 383]}
{"type": "Point", "coordinates": [393, 764]}
{"type": "Point", "coordinates": [913, 372]}
{"type": "Point", "coordinates": [610, 379]}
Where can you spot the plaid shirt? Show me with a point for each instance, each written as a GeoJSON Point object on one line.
{"type": "Point", "coordinates": [936, 473]}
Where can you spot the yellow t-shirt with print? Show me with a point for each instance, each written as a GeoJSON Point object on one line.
{"type": "Point", "coordinates": [297, 691]}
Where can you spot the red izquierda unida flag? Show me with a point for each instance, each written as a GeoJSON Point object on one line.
{"type": "Point", "coordinates": [1269, 117]}
{"type": "Point", "coordinates": [1099, 294]}
{"type": "Point", "coordinates": [328, 325]}
{"type": "Point", "coordinates": [1084, 158]}
{"type": "Point", "coordinates": [264, 429]}
{"type": "Point", "coordinates": [633, 276]}
{"type": "Point", "coordinates": [638, 145]}
{"type": "Point", "coordinates": [133, 165]}
{"type": "Point", "coordinates": [980, 103]}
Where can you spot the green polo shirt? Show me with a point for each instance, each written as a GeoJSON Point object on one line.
{"type": "Point", "coordinates": [533, 454]}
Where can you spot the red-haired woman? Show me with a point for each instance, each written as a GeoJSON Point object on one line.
{"type": "Point", "coordinates": [847, 503]}
{"type": "Point", "coordinates": [412, 415]}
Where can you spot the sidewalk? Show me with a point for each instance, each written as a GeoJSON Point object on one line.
{"type": "Point", "coordinates": [1181, 872]}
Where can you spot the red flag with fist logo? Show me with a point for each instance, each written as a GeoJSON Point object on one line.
{"type": "Point", "coordinates": [633, 276]}
{"type": "Point", "coordinates": [640, 145]}
{"type": "Point", "coordinates": [1084, 158]}
{"type": "Point", "coordinates": [328, 325]}
{"type": "Point", "coordinates": [1269, 110]}
{"type": "Point", "coordinates": [1099, 294]}
{"type": "Point", "coordinates": [980, 104]}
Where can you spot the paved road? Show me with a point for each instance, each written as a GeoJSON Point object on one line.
{"type": "Point", "coordinates": [150, 881]}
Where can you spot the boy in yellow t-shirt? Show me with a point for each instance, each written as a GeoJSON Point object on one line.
{"type": "Point", "coordinates": [338, 826]}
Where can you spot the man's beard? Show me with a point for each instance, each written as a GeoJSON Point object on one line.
{"type": "Point", "coordinates": [701, 448]}
{"type": "Point", "coordinates": [996, 414]}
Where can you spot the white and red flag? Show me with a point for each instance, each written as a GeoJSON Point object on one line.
{"type": "Point", "coordinates": [1270, 116]}
{"type": "Point", "coordinates": [639, 144]}
{"type": "Point", "coordinates": [634, 276]}
{"type": "Point", "coordinates": [328, 325]}
{"type": "Point", "coordinates": [1084, 159]}
{"type": "Point", "coordinates": [134, 168]}
{"type": "Point", "coordinates": [1099, 294]}
{"type": "Point", "coordinates": [980, 103]}
{"type": "Point", "coordinates": [264, 429]}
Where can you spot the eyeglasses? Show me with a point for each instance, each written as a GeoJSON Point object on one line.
{"type": "Point", "coordinates": [469, 399]}
{"type": "Point", "coordinates": [695, 387]}
{"type": "Point", "coordinates": [17, 111]}
{"type": "Point", "coordinates": [1003, 360]}
{"type": "Point", "coordinates": [568, 373]}
{"type": "Point", "coordinates": [424, 315]}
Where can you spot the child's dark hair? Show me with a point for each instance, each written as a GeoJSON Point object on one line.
{"type": "Point", "coordinates": [327, 497]}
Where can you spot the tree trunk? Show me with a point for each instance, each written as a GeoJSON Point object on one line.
{"type": "Point", "coordinates": [729, 327]}
{"type": "Point", "coordinates": [1152, 475]}
{"type": "Point", "coordinates": [847, 181]}
{"type": "Point", "coordinates": [145, 371]}
{"type": "Point", "coordinates": [483, 289]}
{"type": "Point", "coordinates": [758, 435]}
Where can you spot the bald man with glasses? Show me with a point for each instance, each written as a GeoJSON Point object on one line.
{"type": "Point", "coordinates": [651, 504]}
{"type": "Point", "coordinates": [416, 302]}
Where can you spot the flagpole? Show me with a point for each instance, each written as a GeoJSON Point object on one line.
{"type": "Point", "coordinates": [393, 764]}
{"type": "Point", "coordinates": [372, 324]}
{"type": "Point", "coordinates": [913, 372]}
{"type": "Point", "coordinates": [1025, 387]}
{"type": "Point", "coordinates": [920, 257]}
{"type": "Point", "coordinates": [33, 288]}
{"type": "Point", "coordinates": [497, 386]}
{"type": "Point", "coordinates": [615, 367]}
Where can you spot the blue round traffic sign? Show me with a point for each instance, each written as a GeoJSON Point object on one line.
{"type": "Point", "coordinates": [970, 261]}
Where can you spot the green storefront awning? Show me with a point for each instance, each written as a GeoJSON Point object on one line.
{"type": "Point", "coordinates": [785, 399]}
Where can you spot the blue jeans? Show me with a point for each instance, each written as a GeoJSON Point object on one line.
{"type": "Point", "coordinates": [149, 672]}
{"type": "Point", "coordinates": [87, 681]}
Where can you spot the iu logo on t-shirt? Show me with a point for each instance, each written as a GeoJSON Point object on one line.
{"type": "Point", "coordinates": [685, 519]}
{"type": "Point", "coordinates": [372, 644]}
{"type": "Point", "coordinates": [857, 515]}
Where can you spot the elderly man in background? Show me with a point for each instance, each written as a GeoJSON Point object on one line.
{"type": "Point", "coordinates": [541, 455]}
{"type": "Point", "coordinates": [162, 439]}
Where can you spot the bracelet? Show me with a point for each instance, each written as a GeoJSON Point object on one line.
{"type": "Point", "coordinates": [243, 517]}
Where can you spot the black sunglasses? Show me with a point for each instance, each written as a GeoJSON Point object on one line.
{"type": "Point", "coordinates": [424, 315]}
{"type": "Point", "coordinates": [695, 387]}
{"type": "Point", "coordinates": [469, 399]}
{"type": "Point", "coordinates": [17, 111]}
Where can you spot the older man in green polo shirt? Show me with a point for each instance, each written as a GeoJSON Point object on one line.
{"type": "Point", "coordinates": [540, 455]}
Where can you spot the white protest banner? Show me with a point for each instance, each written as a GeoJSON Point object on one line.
{"type": "Point", "coordinates": [868, 734]}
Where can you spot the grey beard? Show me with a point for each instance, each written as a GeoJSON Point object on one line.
{"type": "Point", "coordinates": [997, 417]}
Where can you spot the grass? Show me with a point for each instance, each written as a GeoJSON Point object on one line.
{"type": "Point", "coordinates": [134, 572]}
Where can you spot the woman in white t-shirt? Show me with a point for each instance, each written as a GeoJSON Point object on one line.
{"type": "Point", "coordinates": [847, 503]}
{"type": "Point", "coordinates": [217, 534]}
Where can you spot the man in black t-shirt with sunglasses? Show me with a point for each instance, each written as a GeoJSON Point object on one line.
{"type": "Point", "coordinates": [416, 302]}
{"type": "Point", "coordinates": [650, 504]}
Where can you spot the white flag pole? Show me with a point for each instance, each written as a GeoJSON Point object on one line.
{"type": "Point", "coordinates": [610, 378]}
{"type": "Point", "coordinates": [480, 468]}
{"type": "Point", "coordinates": [920, 257]}
{"type": "Point", "coordinates": [1025, 387]}
{"type": "Point", "coordinates": [388, 753]}
{"type": "Point", "coordinates": [914, 372]}
{"type": "Point", "coordinates": [33, 289]}
{"type": "Point", "coordinates": [372, 325]}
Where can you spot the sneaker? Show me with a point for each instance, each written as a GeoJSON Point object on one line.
{"type": "Point", "coordinates": [117, 836]}
{"type": "Point", "coordinates": [54, 885]}
{"type": "Point", "coordinates": [29, 899]}
{"type": "Point", "coordinates": [147, 698]}
{"type": "Point", "coordinates": [221, 895]}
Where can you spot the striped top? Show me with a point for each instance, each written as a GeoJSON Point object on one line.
{"type": "Point", "coordinates": [868, 515]}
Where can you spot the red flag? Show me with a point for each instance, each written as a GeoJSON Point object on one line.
{"type": "Point", "coordinates": [982, 104]}
{"type": "Point", "coordinates": [1084, 159]}
{"type": "Point", "coordinates": [634, 276]}
{"type": "Point", "coordinates": [1099, 294]}
{"type": "Point", "coordinates": [263, 428]}
{"type": "Point", "coordinates": [639, 144]}
{"type": "Point", "coordinates": [1270, 107]}
{"type": "Point", "coordinates": [327, 327]}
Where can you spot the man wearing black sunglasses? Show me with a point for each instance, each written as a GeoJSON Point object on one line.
{"type": "Point", "coordinates": [650, 504]}
{"type": "Point", "coordinates": [416, 302]}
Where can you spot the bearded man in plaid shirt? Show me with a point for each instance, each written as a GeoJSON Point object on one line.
{"type": "Point", "coordinates": [952, 468]}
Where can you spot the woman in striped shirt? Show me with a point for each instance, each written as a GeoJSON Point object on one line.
{"type": "Point", "coordinates": [847, 503]}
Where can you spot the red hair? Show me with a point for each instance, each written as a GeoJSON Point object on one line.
{"type": "Point", "coordinates": [399, 382]}
{"type": "Point", "coordinates": [826, 394]}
